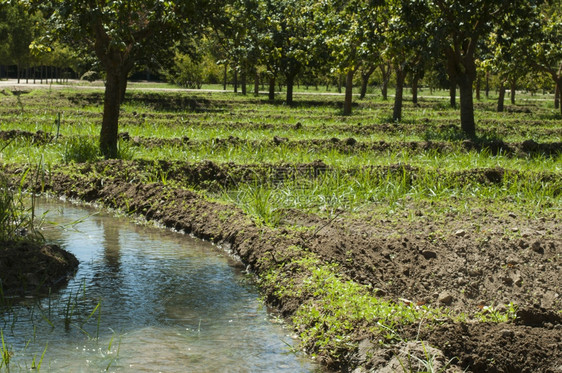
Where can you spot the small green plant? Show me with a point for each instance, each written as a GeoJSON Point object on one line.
{"type": "Point", "coordinates": [6, 353]}
{"type": "Point", "coordinates": [125, 151]}
{"type": "Point", "coordinates": [257, 201]}
{"type": "Point", "coordinates": [492, 314]}
{"type": "Point", "coordinates": [37, 365]}
{"type": "Point", "coordinates": [114, 356]}
{"type": "Point", "coordinates": [333, 306]}
{"type": "Point", "coordinates": [428, 363]}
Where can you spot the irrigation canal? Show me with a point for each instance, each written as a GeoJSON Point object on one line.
{"type": "Point", "coordinates": [144, 299]}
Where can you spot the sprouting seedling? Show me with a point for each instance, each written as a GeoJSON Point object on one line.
{"type": "Point", "coordinates": [6, 354]}
{"type": "Point", "coordinates": [38, 365]}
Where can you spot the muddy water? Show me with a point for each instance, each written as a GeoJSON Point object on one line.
{"type": "Point", "coordinates": [145, 299]}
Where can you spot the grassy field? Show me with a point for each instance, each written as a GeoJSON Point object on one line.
{"type": "Point", "coordinates": [367, 204]}
{"type": "Point", "coordinates": [246, 130]}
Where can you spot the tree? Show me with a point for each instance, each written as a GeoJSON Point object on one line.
{"type": "Point", "coordinates": [352, 32]}
{"type": "Point", "coordinates": [19, 28]}
{"type": "Point", "coordinates": [4, 36]}
{"type": "Point", "coordinates": [407, 46]}
{"type": "Point", "coordinates": [124, 34]}
{"type": "Point", "coordinates": [290, 45]}
{"type": "Point", "coordinates": [506, 50]}
{"type": "Point", "coordinates": [238, 38]}
{"type": "Point", "coordinates": [458, 26]}
{"type": "Point", "coordinates": [545, 52]}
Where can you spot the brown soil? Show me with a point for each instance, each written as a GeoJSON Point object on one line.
{"type": "Point", "coordinates": [350, 145]}
{"type": "Point", "coordinates": [27, 268]}
{"type": "Point", "coordinates": [38, 137]}
{"type": "Point", "coordinates": [463, 261]}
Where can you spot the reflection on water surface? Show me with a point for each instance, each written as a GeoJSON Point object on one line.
{"type": "Point", "coordinates": [144, 299]}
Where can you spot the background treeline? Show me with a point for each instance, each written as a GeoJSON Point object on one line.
{"type": "Point", "coordinates": [265, 44]}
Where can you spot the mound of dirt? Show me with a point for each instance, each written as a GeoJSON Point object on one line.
{"type": "Point", "coordinates": [28, 268]}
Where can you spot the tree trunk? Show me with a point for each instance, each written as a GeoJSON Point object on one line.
{"type": "Point", "coordinates": [557, 96]}
{"type": "Point", "coordinates": [501, 97]}
{"type": "Point", "coordinates": [398, 96]}
{"type": "Point", "coordinates": [365, 75]}
{"type": "Point", "coordinates": [385, 70]}
{"type": "Point", "coordinates": [348, 92]}
{"type": "Point", "coordinates": [257, 84]}
{"type": "Point", "coordinates": [453, 93]}
{"type": "Point", "coordinates": [122, 87]}
{"type": "Point", "coordinates": [243, 81]}
{"type": "Point", "coordinates": [364, 82]}
{"type": "Point", "coordinates": [224, 77]}
{"type": "Point", "coordinates": [559, 85]}
{"type": "Point", "coordinates": [235, 80]}
{"type": "Point", "coordinates": [18, 72]}
{"type": "Point", "coordinates": [272, 88]}
{"type": "Point", "coordinates": [478, 84]}
{"type": "Point", "coordinates": [513, 86]}
{"type": "Point", "coordinates": [340, 83]}
{"type": "Point", "coordinates": [415, 80]}
{"type": "Point", "coordinates": [487, 83]}
{"type": "Point", "coordinates": [290, 83]}
{"type": "Point", "coordinates": [468, 126]}
{"type": "Point", "coordinates": [110, 123]}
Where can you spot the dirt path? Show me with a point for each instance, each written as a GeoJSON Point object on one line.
{"type": "Point", "coordinates": [99, 85]}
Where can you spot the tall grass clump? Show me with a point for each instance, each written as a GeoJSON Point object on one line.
{"type": "Point", "coordinates": [16, 219]}
{"type": "Point", "coordinates": [80, 150]}
{"type": "Point", "coordinates": [257, 200]}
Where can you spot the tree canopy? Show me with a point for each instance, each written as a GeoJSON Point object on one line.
{"type": "Point", "coordinates": [122, 35]}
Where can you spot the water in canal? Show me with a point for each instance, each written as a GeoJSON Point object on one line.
{"type": "Point", "coordinates": [144, 300]}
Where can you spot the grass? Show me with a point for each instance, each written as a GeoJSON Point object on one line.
{"type": "Point", "coordinates": [74, 311]}
{"type": "Point", "coordinates": [16, 215]}
{"type": "Point", "coordinates": [336, 307]}
{"type": "Point", "coordinates": [228, 128]}
{"type": "Point", "coordinates": [353, 192]}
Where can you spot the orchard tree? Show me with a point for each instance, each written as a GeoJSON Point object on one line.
{"type": "Point", "coordinates": [458, 27]}
{"type": "Point", "coordinates": [19, 27]}
{"type": "Point", "coordinates": [4, 36]}
{"type": "Point", "coordinates": [408, 47]}
{"type": "Point", "coordinates": [546, 48]}
{"type": "Point", "coordinates": [287, 43]}
{"type": "Point", "coordinates": [352, 32]}
{"type": "Point", "coordinates": [506, 59]}
{"type": "Point", "coordinates": [238, 38]}
{"type": "Point", "coordinates": [124, 34]}
{"type": "Point", "coordinates": [295, 40]}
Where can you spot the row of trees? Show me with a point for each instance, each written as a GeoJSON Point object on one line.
{"type": "Point", "coordinates": [19, 29]}
{"type": "Point", "coordinates": [292, 39]}
{"type": "Point", "coordinates": [411, 37]}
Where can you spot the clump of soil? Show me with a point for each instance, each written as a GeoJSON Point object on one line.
{"type": "Point", "coordinates": [30, 268]}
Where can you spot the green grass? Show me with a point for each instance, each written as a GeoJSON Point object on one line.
{"type": "Point", "coordinates": [209, 120]}
{"type": "Point", "coordinates": [389, 190]}
{"type": "Point", "coordinates": [336, 308]}
{"type": "Point", "coordinates": [16, 215]}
